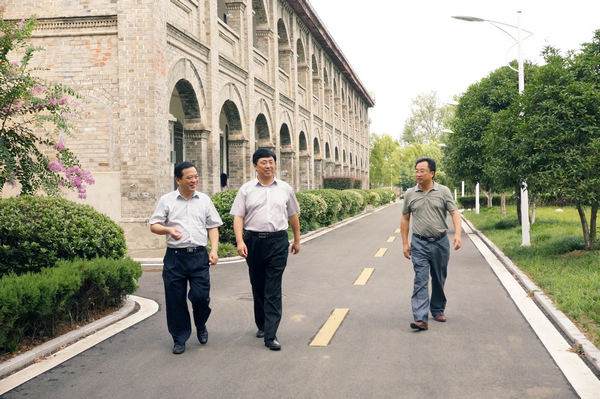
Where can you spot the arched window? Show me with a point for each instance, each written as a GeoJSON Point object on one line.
{"type": "Point", "coordinates": [302, 146]}
{"type": "Point", "coordinates": [260, 27]}
{"type": "Point", "coordinates": [284, 49]}
{"type": "Point", "coordinates": [284, 136]}
{"type": "Point", "coordinates": [301, 63]}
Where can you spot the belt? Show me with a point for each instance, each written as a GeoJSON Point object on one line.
{"type": "Point", "coordinates": [266, 234]}
{"type": "Point", "coordinates": [187, 250]}
{"type": "Point", "coordinates": [430, 239]}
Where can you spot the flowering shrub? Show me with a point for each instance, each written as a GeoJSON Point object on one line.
{"type": "Point", "coordinates": [34, 159]}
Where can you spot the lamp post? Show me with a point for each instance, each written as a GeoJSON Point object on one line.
{"type": "Point", "coordinates": [525, 235]}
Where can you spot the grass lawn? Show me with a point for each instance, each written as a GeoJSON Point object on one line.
{"type": "Point", "coordinates": [555, 261]}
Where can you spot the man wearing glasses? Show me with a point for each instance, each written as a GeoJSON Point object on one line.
{"type": "Point", "coordinates": [428, 203]}
{"type": "Point", "coordinates": [189, 220]}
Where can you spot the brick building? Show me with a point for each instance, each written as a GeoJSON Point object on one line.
{"type": "Point", "coordinates": [201, 80]}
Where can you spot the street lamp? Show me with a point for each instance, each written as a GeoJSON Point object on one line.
{"type": "Point", "coordinates": [525, 236]}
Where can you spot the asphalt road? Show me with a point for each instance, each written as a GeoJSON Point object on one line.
{"type": "Point", "coordinates": [485, 350]}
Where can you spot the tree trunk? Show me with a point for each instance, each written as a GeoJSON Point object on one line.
{"type": "Point", "coordinates": [584, 227]}
{"type": "Point", "coordinates": [593, 219]}
{"type": "Point", "coordinates": [518, 199]}
{"type": "Point", "coordinates": [489, 195]}
{"type": "Point", "coordinates": [503, 204]}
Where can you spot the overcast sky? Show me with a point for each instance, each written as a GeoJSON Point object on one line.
{"type": "Point", "coordinates": [402, 48]}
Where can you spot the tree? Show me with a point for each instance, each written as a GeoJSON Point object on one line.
{"type": "Point", "coordinates": [560, 132]}
{"type": "Point", "coordinates": [384, 161]}
{"type": "Point", "coordinates": [428, 120]}
{"type": "Point", "coordinates": [33, 115]}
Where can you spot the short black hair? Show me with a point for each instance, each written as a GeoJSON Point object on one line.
{"type": "Point", "coordinates": [181, 166]}
{"type": "Point", "coordinates": [263, 153]}
{"type": "Point", "coordinates": [430, 163]}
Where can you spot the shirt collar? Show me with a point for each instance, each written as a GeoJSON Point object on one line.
{"type": "Point", "coordinates": [257, 182]}
{"type": "Point", "coordinates": [195, 195]}
{"type": "Point", "coordinates": [435, 187]}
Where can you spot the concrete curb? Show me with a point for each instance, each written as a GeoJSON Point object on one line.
{"type": "Point", "coordinates": [47, 348]}
{"type": "Point", "coordinates": [587, 350]}
{"type": "Point", "coordinates": [157, 262]}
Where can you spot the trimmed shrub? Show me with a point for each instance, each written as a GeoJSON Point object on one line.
{"type": "Point", "coordinates": [36, 232]}
{"type": "Point", "coordinates": [373, 198]}
{"type": "Point", "coordinates": [33, 305]}
{"type": "Point", "coordinates": [223, 201]}
{"type": "Point", "coordinates": [386, 195]}
{"type": "Point", "coordinates": [312, 209]}
{"type": "Point", "coordinates": [333, 202]}
{"type": "Point", "coordinates": [468, 201]}
{"type": "Point", "coordinates": [353, 202]}
{"type": "Point", "coordinates": [365, 196]}
{"type": "Point", "coordinates": [341, 182]}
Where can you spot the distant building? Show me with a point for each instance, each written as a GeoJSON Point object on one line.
{"type": "Point", "coordinates": [205, 81]}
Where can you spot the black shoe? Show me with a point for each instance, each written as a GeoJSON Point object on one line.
{"type": "Point", "coordinates": [260, 334]}
{"type": "Point", "coordinates": [203, 336]}
{"type": "Point", "coordinates": [178, 349]}
{"type": "Point", "coordinates": [273, 344]}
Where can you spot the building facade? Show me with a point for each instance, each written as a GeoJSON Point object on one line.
{"type": "Point", "coordinates": [207, 81]}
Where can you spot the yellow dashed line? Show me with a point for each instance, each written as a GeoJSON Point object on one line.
{"type": "Point", "coordinates": [391, 239]}
{"type": "Point", "coordinates": [380, 252]}
{"type": "Point", "coordinates": [364, 276]}
{"type": "Point", "coordinates": [326, 332]}
{"type": "Point", "coordinates": [397, 231]}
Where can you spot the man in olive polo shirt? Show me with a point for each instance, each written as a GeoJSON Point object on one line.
{"type": "Point", "coordinates": [428, 203]}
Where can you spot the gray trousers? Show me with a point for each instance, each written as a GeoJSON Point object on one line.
{"type": "Point", "coordinates": [429, 257]}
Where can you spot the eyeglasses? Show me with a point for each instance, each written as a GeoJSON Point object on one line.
{"type": "Point", "coordinates": [192, 177]}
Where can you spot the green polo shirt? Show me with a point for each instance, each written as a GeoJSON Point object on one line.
{"type": "Point", "coordinates": [429, 209]}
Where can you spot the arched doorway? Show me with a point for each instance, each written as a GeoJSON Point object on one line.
{"type": "Point", "coordinates": [317, 164]}
{"type": "Point", "coordinates": [286, 163]}
{"type": "Point", "coordinates": [304, 161]}
{"type": "Point", "coordinates": [231, 158]}
{"type": "Point", "coordinates": [262, 137]}
{"type": "Point", "coordinates": [188, 138]}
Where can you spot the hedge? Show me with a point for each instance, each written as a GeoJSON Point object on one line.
{"type": "Point", "coordinates": [333, 204]}
{"type": "Point", "coordinates": [468, 202]}
{"type": "Point", "coordinates": [33, 305]}
{"type": "Point", "coordinates": [312, 209]}
{"type": "Point", "coordinates": [341, 182]}
{"type": "Point", "coordinates": [223, 201]}
{"type": "Point", "coordinates": [386, 195]}
{"type": "Point", "coordinates": [36, 232]}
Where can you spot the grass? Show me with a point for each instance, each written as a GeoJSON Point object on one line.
{"type": "Point", "coordinates": [555, 260]}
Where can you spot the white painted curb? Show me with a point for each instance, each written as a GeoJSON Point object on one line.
{"type": "Point", "coordinates": [147, 308]}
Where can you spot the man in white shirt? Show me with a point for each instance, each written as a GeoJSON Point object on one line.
{"type": "Point", "coordinates": [189, 219]}
{"type": "Point", "coordinates": [262, 210]}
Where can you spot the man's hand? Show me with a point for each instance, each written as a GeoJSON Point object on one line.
{"type": "Point", "coordinates": [213, 257]}
{"type": "Point", "coordinates": [295, 247]}
{"type": "Point", "coordinates": [457, 242]}
{"type": "Point", "coordinates": [176, 234]}
{"type": "Point", "coordinates": [406, 251]}
{"type": "Point", "coordinates": [242, 250]}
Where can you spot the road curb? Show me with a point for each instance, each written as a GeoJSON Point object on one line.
{"type": "Point", "coordinates": [157, 262]}
{"type": "Point", "coordinates": [44, 357]}
{"type": "Point", "coordinates": [580, 343]}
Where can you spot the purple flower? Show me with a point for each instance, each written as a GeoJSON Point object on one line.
{"type": "Point", "coordinates": [82, 195]}
{"type": "Point", "coordinates": [56, 166]}
{"type": "Point", "coordinates": [60, 145]}
{"type": "Point", "coordinates": [53, 102]}
{"type": "Point", "coordinates": [63, 100]}
{"type": "Point", "coordinates": [37, 90]}
{"type": "Point", "coordinates": [14, 63]}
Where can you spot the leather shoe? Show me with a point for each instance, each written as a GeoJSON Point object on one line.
{"type": "Point", "coordinates": [419, 325]}
{"type": "Point", "coordinates": [178, 349]}
{"type": "Point", "coordinates": [260, 334]}
{"type": "Point", "coordinates": [203, 336]}
{"type": "Point", "coordinates": [273, 344]}
{"type": "Point", "coordinates": [440, 317]}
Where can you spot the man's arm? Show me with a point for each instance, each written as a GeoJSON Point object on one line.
{"type": "Point", "coordinates": [404, 226]}
{"type": "Point", "coordinates": [457, 229]}
{"type": "Point", "coordinates": [213, 237]}
{"type": "Point", "coordinates": [238, 229]}
{"type": "Point", "coordinates": [161, 230]}
{"type": "Point", "coordinates": [295, 223]}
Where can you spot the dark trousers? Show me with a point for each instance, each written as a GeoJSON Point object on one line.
{"type": "Point", "coordinates": [267, 258]}
{"type": "Point", "coordinates": [181, 267]}
{"type": "Point", "coordinates": [429, 257]}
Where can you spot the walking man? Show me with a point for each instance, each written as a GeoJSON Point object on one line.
{"type": "Point", "coordinates": [261, 210]}
{"type": "Point", "coordinates": [189, 219]}
{"type": "Point", "coordinates": [428, 203]}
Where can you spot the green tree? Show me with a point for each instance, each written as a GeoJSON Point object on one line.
{"type": "Point", "coordinates": [32, 118]}
{"type": "Point", "coordinates": [428, 120]}
{"type": "Point", "coordinates": [560, 132]}
{"type": "Point", "coordinates": [384, 161]}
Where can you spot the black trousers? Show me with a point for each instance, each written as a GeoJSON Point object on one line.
{"type": "Point", "coordinates": [267, 258]}
{"type": "Point", "coordinates": [181, 267]}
